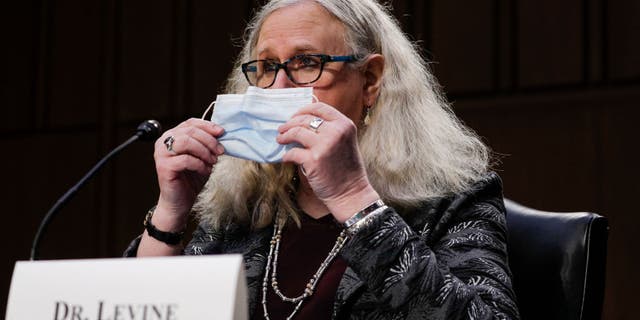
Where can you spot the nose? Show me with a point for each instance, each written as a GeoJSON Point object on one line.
{"type": "Point", "coordinates": [282, 80]}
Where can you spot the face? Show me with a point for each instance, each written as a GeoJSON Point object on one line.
{"type": "Point", "coordinates": [308, 28]}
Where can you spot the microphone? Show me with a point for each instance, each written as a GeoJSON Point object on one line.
{"type": "Point", "coordinates": [149, 130]}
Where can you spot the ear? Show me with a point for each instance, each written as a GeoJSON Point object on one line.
{"type": "Point", "coordinates": [372, 69]}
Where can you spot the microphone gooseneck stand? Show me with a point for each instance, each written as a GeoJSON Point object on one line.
{"type": "Point", "coordinates": [147, 131]}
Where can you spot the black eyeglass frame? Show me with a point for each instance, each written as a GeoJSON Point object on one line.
{"type": "Point", "coordinates": [324, 58]}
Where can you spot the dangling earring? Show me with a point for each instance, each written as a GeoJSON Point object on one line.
{"type": "Point", "coordinates": [367, 116]}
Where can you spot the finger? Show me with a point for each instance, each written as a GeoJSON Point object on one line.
{"type": "Point", "coordinates": [322, 110]}
{"type": "Point", "coordinates": [296, 155]}
{"type": "Point", "coordinates": [302, 158]}
{"type": "Point", "coordinates": [206, 125]}
{"type": "Point", "coordinates": [302, 120]}
{"type": "Point", "coordinates": [204, 137]}
{"type": "Point", "coordinates": [195, 127]}
{"type": "Point", "coordinates": [185, 162]}
{"type": "Point", "coordinates": [305, 137]}
{"type": "Point", "coordinates": [186, 144]}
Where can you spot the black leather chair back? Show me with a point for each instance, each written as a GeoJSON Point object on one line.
{"type": "Point", "coordinates": [558, 262]}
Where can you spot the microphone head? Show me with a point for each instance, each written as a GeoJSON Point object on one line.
{"type": "Point", "coordinates": [149, 130]}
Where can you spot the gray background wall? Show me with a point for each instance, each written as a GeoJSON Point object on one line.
{"type": "Point", "coordinates": [552, 86]}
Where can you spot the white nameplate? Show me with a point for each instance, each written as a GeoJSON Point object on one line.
{"type": "Point", "coordinates": [167, 288]}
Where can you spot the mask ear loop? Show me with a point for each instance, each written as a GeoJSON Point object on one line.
{"type": "Point", "coordinates": [210, 107]}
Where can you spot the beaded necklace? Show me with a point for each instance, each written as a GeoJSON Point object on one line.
{"type": "Point", "coordinates": [272, 265]}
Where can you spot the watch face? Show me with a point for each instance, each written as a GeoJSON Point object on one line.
{"type": "Point", "coordinates": [147, 218]}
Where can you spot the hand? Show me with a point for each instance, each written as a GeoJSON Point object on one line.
{"type": "Point", "coordinates": [330, 158]}
{"type": "Point", "coordinates": [183, 171]}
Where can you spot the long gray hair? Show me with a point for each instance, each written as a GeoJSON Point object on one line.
{"type": "Point", "coordinates": [414, 147]}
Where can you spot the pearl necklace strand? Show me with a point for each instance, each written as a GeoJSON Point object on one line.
{"type": "Point", "coordinates": [272, 265]}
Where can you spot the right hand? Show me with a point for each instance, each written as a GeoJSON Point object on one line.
{"type": "Point", "coordinates": [183, 172]}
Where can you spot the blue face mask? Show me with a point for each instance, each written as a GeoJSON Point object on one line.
{"type": "Point", "coordinates": [251, 121]}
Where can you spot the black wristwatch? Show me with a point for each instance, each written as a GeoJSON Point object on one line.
{"type": "Point", "coordinates": [170, 238]}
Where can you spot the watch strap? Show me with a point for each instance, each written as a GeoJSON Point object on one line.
{"type": "Point", "coordinates": [170, 238]}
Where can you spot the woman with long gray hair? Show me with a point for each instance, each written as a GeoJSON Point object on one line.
{"type": "Point", "coordinates": [376, 203]}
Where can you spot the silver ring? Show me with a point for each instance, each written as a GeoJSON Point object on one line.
{"type": "Point", "coordinates": [315, 123]}
{"type": "Point", "coordinates": [168, 142]}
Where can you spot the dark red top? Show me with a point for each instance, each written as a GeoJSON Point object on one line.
{"type": "Point", "coordinates": [302, 250]}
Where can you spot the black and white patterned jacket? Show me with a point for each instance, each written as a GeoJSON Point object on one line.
{"type": "Point", "coordinates": [447, 260]}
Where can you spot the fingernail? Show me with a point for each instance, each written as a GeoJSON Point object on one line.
{"type": "Point", "coordinates": [219, 149]}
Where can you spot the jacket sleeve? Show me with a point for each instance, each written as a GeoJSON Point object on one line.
{"type": "Point", "coordinates": [132, 249]}
{"type": "Point", "coordinates": [454, 268]}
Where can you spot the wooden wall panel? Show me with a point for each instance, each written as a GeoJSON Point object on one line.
{"type": "Point", "coordinates": [216, 33]}
{"type": "Point", "coordinates": [18, 64]}
{"type": "Point", "coordinates": [415, 18]}
{"type": "Point", "coordinates": [44, 167]}
{"type": "Point", "coordinates": [464, 52]}
{"type": "Point", "coordinates": [505, 51]}
{"type": "Point", "coordinates": [74, 91]}
{"type": "Point", "coordinates": [620, 193]}
{"type": "Point", "coordinates": [552, 157]}
{"type": "Point", "coordinates": [40, 180]}
{"type": "Point", "coordinates": [623, 39]}
{"type": "Point", "coordinates": [595, 40]}
{"type": "Point", "coordinates": [145, 73]}
{"type": "Point", "coordinates": [135, 190]}
{"type": "Point", "coordinates": [550, 42]}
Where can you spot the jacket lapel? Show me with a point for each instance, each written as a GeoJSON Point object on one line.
{"type": "Point", "coordinates": [255, 258]}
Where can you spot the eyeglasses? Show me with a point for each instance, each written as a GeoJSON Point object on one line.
{"type": "Point", "coordinates": [301, 69]}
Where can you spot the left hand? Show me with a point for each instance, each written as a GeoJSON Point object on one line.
{"type": "Point", "coordinates": [330, 158]}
